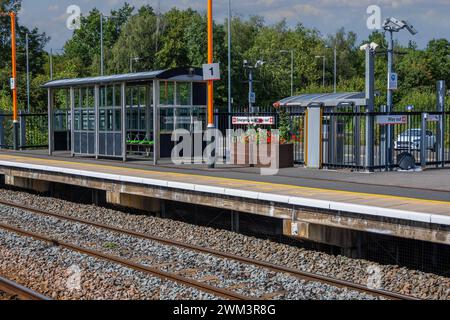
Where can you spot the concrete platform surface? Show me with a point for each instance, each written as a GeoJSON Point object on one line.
{"type": "Point", "coordinates": [396, 196]}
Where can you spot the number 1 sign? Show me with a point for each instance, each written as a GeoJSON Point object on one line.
{"type": "Point", "coordinates": [211, 72]}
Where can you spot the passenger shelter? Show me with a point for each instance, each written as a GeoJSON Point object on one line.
{"type": "Point", "coordinates": [326, 132]}
{"type": "Point", "coordinates": [126, 115]}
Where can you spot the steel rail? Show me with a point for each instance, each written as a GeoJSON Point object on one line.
{"type": "Point", "coordinates": [17, 290]}
{"type": "Point", "coordinates": [128, 264]}
{"type": "Point", "coordinates": [311, 277]}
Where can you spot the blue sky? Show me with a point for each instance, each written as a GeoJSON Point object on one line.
{"type": "Point", "coordinates": [430, 17]}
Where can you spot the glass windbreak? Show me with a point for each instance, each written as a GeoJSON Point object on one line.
{"type": "Point", "coordinates": [139, 115]}
{"type": "Point", "coordinates": [84, 113]}
{"type": "Point", "coordinates": [167, 120]}
{"type": "Point", "coordinates": [84, 120]}
{"type": "Point", "coordinates": [110, 108]}
{"type": "Point", "coordinates": [184, 93]}
{"type": "Point", "coordinates": [62, 109]}
{"type": "Point", "coordinates": [167, 93]}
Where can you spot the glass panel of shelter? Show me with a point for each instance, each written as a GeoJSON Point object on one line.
{"type": "Point", "coordinates": [84, 121]}
{"type": "Point", "coordinates": [177, 111]}
{"type": "Point", "coordinates": [110, 121]}
{"type": "Point", "coordinates": [177, 108]}
{"type": "Point", "coordinates": [61, 120]}
{"type": "Point", "coordinates": [139, 120]}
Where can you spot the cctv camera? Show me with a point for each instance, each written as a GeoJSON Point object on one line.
{"type": "Point", "coordinates": [374, 46]}
{"type": "Point", "coordinates": [259, 63]}
{"type": "Point", "coordinates": [410, 28]}
{"type": "Point", "coordinates": [364, 47]}
{"type": "Point", "coordinates": [393, 24]}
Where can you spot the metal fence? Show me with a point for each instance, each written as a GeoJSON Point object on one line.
{"type": "Point", "coordinates": [426, 136]}
{"type": "Point", "coordinates": [33, 131]}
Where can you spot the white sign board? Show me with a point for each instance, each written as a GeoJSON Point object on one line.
{"type": "Point", "coordinates": [180, 120]}
{"type": "Point", "coordinates": [433, 118]}
{"type": "Point", "coordinates": [12, 83]}
{"type": "Point", "coordinates": [391, 120]}
{"type": "Point", "coordinates": [393, 81]}
{"type": "Point", "coordinates": [253, 121]}
{"type": "Point", "coordinates": [211, 72]}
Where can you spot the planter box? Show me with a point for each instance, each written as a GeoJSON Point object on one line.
{"type": "Point", "coordinates": [240, 155]}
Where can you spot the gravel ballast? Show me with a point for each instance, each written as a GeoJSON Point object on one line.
{"type": "Point", "coordinates": [66, 275]}
{"type": "Point", "coordinates": [245, 279]}
{"type": "Point", "coordinates": [391, 278]}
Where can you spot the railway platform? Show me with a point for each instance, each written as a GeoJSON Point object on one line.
{"type": "Point", "coordinates": [314, 205]}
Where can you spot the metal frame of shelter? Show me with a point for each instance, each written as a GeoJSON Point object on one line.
{"type": "Point", "coordinates": [121, 115]}
{"type": "Point", "coordinates": [321, 127]}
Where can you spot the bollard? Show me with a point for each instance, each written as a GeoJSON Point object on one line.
{"type": "Point", "coordinates": [2, 131]}
{"type": "Point", "coordinates": [440, 99]}
{"type": "Point", "coordinates": [424, 142]}
{"type": "Point", "coordinates": [23, 130]}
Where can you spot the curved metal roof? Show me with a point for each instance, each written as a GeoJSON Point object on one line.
{"type": "Point", "coordinates": [177, 74]}
{"type": "Point", "coordinates": [324, 99]}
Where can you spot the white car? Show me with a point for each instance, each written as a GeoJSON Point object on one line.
{"type": "Point", "coordinates": [411, 140]}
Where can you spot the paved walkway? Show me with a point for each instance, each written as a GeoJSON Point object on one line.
{"type": "Point", "coordinates": [247, 184]}
{"type": "Point", "coordinates": [429, 185]}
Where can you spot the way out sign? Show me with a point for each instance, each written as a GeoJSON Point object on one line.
{"type": "Point", "coordinates": [253, 121]}
{"type": "Point", "coordinates": [391, 120]}
{"type": "Point", "coordinates": [211, 72]}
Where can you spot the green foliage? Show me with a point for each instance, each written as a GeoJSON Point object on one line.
{"type": "Point", "coordinates": [284, 127]}
{"type": "Point", "coordinates": [178, 38]}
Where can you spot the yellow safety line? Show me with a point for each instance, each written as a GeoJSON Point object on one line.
{"type": "Point", "coordinates": [196, 176]}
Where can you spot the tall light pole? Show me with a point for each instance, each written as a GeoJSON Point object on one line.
{"type": "Point", "coordinates": [51, 61]}
{"type": "Point", "coordinates": [230, 109]}
{"type": "Point", "coordinates": [13, 80]}
{"type": "Point", "coordinates": [102, 71]}
{"type": "Point", "coordinates": [27, 44]}
{"type": "Point", "coordinates": [210, 61]}
{"type": "Point", "coordinates": [292, 69]}
{"type": "Point", "coordinates": [334, 65]}
{"type": "Point", "coordinates": [324, 67]}
{"type": "Point", "coordinates": [131, 63]}
{"type": "Point", "coordinates": [392, 25]}
{"type": "Point", "coordinates": [335, 68]}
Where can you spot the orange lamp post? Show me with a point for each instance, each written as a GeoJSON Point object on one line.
{"type": "Point", "coordinates": [12, 16]}
{"type": "Point", "coordinates": [210, 61]}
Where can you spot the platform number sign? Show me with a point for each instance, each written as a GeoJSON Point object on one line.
{"type": "Point", "coordinates": [211, 72]}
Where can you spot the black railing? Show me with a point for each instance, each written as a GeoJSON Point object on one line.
{"type": "Point", "coordinates": [33, 133]}
{"type": "Point", "coordinates": [345, 145]}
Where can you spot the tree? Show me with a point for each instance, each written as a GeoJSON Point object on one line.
{"type": "Point", "coordinates": [137, 40]}
{"type": "Point", "coordinates": [85, 42]}
{"type": "Point", "coordinates": [37, 43]}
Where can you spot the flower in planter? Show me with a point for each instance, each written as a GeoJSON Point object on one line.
{"type": "Point", "coordinates": [285, 127]}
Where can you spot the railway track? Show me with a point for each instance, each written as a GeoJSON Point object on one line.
{"type": "Point", "coordinates": [227, 294]}
{"type": "Point", "coordinates": [18, 291]}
